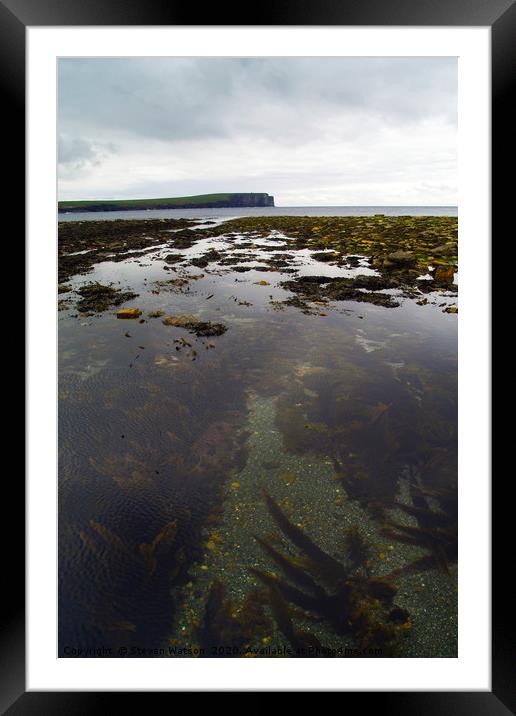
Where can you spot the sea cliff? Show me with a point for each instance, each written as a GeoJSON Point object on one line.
{"type": "Point", "coordinates": [202, 201]}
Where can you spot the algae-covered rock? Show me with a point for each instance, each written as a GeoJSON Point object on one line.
{"type": "Point", "coordinates": [193, 325]}
{"type": "Point", "coordinates": [317, 288]}
{"type": "Point", "coordinates": [95, 297]}
{"type": "Point", "coordinates": [324, 256]}
{"type": "Point", "coordinates": [444, 274]}
{"type": "Point", "coordinates": [173, 258]}
{"type": "Point", "coordinates": [399, 259]}
{"type": "Point", "coordinates": [128, 313]}
{"type": "Point", "coordinates": [448, 248]}
{"type": "Point", "coordinates": [199, 262]}
{"type": "Point", "coordinates": [179, 321]}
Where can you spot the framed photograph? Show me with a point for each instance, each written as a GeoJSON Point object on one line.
{"type": "Point", "coordinates": [258, 365]}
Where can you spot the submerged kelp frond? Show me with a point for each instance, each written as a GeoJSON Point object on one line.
{"type": "Point", "coordinates": [425, 517]}
{"type": "Point", "coordinates": [357, 546]}
{"type": "Point", "coordinates": [354, 605]}
{"type": "Point", "coordinates": [225, 631]}
{"type": "Point", "coordinates": [291, 570]}
{"type": "Point", "coordinates": [218, 625]}
{"type": "Point", "coordinates": [301, 641]}
{"type": "Point", "coordinates": [436, 531]}
{"type": "Point", "coordinates": [292, 594]}
{"type": "Point", "coordinates": [323, 562]}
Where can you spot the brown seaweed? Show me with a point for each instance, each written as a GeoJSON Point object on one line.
{"type": "Point", "coordinates": [225, 632]}
{"type": "Point", "coordinates": [357, 547]}
{"type": "Point", "coordinates": [323, 561]}
{"type": "Point", "coordinates": [354, 605]}
{"type": "Point", "coordinates": [291, 570]}
{"type": "Point", "coordinates": [436, 531]}
{"type": "Point", "coordinates": [301, 641]}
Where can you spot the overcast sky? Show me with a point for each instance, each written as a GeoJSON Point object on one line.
{"type": "Point", "coordinates": [310, 131]}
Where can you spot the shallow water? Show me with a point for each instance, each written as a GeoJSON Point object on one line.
{"type": "Point", "coordinates": [166, 442]}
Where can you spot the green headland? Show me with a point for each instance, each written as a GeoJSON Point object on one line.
{"type": "Point", "coordinates": [201, 201]}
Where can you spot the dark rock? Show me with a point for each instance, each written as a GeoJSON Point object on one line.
{"type": "Point", "coordinates": [199, 262]}
{"type": "Point", "coordinates": [324, 256]}
{"type": "Point", "coordinates": [317, 288]}
{"type": "Point", "coordinates": [399, 259]}
{"type": "Point", "coordinates": [174, 258]}
{"type": "Point", "coordinates": [193, 325]}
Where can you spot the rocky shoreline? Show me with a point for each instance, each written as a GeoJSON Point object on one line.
{"type": "Point", "coordinates": [412, 255]}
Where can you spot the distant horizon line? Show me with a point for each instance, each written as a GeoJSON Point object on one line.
{"type": "Point", "coordinates": [276, 206]}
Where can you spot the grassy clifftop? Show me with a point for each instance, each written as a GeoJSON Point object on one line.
{"type": "Point", "coordinates": [200, 201]}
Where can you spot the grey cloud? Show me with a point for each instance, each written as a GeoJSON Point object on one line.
{"type": "Point", "coordinates": [76, 153]}
{"type": "Point", "coordinates": [176, 99]}
{"type": "Point", "coordinates": [75, 149]}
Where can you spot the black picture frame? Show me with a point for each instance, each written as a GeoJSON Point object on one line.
{"type": "Point", "coordinates": [500, 15]}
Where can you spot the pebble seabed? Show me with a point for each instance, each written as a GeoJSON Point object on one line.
{"type": "Point", "coordinates": [307, 488]}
